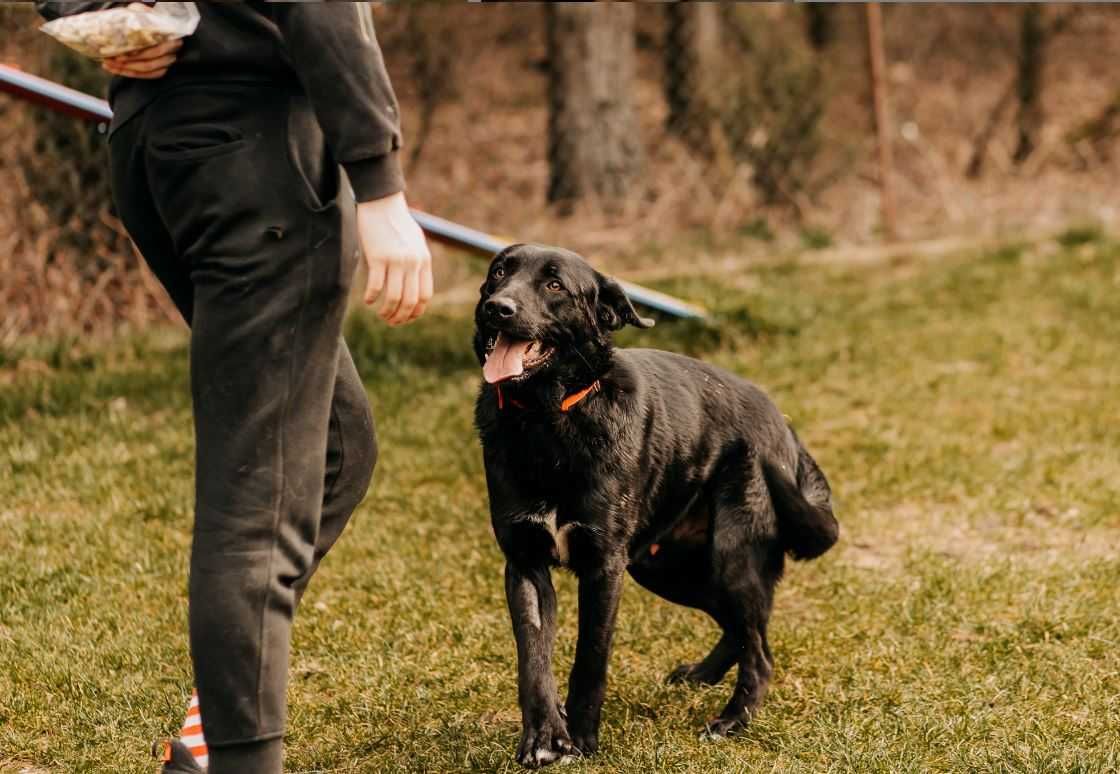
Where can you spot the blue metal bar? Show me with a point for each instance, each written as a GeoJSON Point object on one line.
{"type": "Point", "coordinates": [485, 244]}
{"type": "Point", "coordinates": [458, 235]}
{"type": "Point", "coordinates": [81, 105]}
{"type": "Point", "coordinates": [53, 95]}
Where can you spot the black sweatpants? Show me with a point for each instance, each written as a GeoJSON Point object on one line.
{"type": "Point", "coordinates": [232, 197]}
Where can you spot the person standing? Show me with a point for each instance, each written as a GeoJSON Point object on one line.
{"type": "Point", "coordinates": [253, 164]}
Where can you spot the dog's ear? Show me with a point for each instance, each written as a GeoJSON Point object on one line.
{"type": "Point", "coordinates": [615, 309]}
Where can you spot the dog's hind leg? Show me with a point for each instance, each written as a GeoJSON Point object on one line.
{"type": "Point", "coordinates": [753, 680]}
{"type": "Point", "coordinates": [745, 611]}
{"type": "Point", "coordinates": [747, 562]}
{"type": "Point", "coordinates": [714, 666]}
{"type": "Point", "coordinates": [679, 568]}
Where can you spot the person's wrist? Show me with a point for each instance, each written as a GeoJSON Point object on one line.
{"type": "Point", "coordinates": [376, 177]}
{"type": "Point", "coordinates": [391, 203]}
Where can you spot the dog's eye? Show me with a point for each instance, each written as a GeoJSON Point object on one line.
{"type": "Point", "coordinates": [554, 285]}
{"type": "Point", "coordinates": [499, 273]}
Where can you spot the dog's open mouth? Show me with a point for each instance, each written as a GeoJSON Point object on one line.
{"type": "Point", "coordinates": [510, 358]}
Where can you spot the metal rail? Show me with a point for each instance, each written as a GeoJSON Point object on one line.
{"type": "Point", "coordinates": [480, 242]}
{"type": "Point", "coordinates": [75, 103]}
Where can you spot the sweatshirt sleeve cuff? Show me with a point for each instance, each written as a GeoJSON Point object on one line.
{"type": "Point", "coordinates": [375, 178]}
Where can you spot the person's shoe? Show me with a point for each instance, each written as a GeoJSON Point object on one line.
{"type": "Point", "coordinates": [176, 757]}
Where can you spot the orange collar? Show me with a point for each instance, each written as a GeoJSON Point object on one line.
{"type": "Point", "coordinates": [576, 397]}
{"type": "Point", "coordinates": [565, 405]}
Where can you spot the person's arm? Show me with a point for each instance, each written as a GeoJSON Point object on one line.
{"type": "Point", "coordinates": [334, 52]}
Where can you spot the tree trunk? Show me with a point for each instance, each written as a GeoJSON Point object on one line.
{"type": "Point", "coordinates": [594, 147]}
{"type": "Point", "coordinates": [1032, 49]}
{"type": "Point", "coordinates": [691, 55]}
{"type": "Point", "coordinates": [819, 26]}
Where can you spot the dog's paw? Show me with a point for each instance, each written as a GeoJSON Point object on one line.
{"type": "Point", "coordinates": [586, 744]}
{"type": "Point", "coordinates": [689, 674]}
{"type": "Point", "coordinates": [545, 744]}
{"type": "Point", "coordinates": [721, 728]}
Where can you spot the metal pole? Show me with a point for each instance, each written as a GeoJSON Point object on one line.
{"type": "Point", "coordinates": [81, 105]}
{"type": "Point", "coordinates": [484, 244]}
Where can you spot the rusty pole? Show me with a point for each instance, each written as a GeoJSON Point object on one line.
{"type": "Point", "coordinates": [883, 129]}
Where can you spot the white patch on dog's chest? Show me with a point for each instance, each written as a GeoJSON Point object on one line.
{"type": "Point", "coordinates": [559, 534]}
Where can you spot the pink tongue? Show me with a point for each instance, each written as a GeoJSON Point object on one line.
{"type": "Point", "coordinates": [506, 360]}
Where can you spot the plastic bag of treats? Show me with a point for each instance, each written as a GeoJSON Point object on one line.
{"type": "Point", "coordinates": [114, 31]}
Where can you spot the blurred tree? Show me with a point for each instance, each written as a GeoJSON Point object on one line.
{"type": "Point", "coordinates": [429, 36]}
{"type": "Point", "coordinates": [1032, 51]}
{"type": "Point", "coordinates": [1091, 140]}
{"type": "Point", "coordinates": [1035, 34]}
{"type": "Point", "coordinates": [819, 24]}
{"type": "Point", "coordinates": [770, 103]}
{"type": "Point", "coordinates": [594, 143]}
{"type": "Point", "coordinates": [691, 52]}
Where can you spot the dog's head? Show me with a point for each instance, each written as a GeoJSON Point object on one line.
{"type": "Point", "coordinates": [544, 310]}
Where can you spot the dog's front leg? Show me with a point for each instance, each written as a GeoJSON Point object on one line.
{"type": "Point", "coordinates": [532, 609]}
{"type": "Point", "coordinates": [599, 592]}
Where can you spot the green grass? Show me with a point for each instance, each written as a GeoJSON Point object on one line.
{"type": "Point", "coordinates": [815, 238]}
{"type": "Point", "coordinates": [1080, 235]}
{"type": "Point", "coordinates": [966, 412]}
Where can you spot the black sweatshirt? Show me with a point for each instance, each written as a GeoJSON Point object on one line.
{"type": "Point", "coordinates": [326, 50]}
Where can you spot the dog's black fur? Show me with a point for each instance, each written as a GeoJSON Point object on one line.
{"type": "Point", "coordinates": [682, 474]}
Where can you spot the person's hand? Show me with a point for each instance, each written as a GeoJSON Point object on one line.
{"type": "Point", "coordinates": [400, 266]}
{"type": "Point", "coordinates": [147, 63]}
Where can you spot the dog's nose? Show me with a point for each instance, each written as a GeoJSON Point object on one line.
{"type": "Point", "coordinates": [500, 307]}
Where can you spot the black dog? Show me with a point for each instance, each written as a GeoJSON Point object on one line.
{"type": "Point", "coordinates": [606, 461]}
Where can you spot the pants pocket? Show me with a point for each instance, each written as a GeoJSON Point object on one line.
{"type": "Point", "coordinates": [310, 158]}
{"type": "Point", "coordinates": [197, 141]}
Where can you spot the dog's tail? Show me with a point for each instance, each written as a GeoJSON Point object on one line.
{"type": "Point", "coordinates": [806, 524]}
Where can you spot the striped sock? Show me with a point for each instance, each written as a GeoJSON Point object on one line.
{"type": "Point", "coordinates": [191, 734]}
